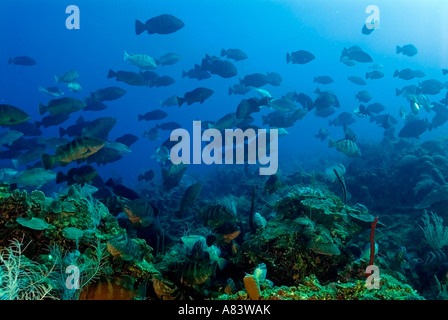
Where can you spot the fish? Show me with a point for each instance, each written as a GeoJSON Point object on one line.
{"type": "Point", "coordinates": [227, 121]}
{"type": "Point", "coordinates": [163, 81]}
{"type": "Point", "coordinates": [238, 89]}
{"type": "Point", "coordinates": [256, 80]}
{"type": "Point", "coordinates": [363, 96]}
{"type": "Point", "coordinates": [375, 108]}
{"type": "Point", "coordinates": [376, 66]}
{"type": "Point", "coordinates": [129, 77]}
{"type": "Point", "coordinates": [74, 130]}
{"type": "Point", "coordinates": [74, 86]}
{"type": "Point", "coordinates": [162, 24]}
{"type": "Point", "coordinates": [248, 106]}
{"type": "Point", "coordinates": [357, 54]}
{"type": "Point", "coordinates": [9, 136]}
{"type": "Point", "coordinates": [347, 61]}
{"type": "Point", "coordinates": [35, 178]}
{"type": "Point", "coordinates": [197, 95]}
{"type": "Point", "coordinates": [28, 128]}
{"type": "Point", "coordinates": [348, 147]}
{"type": "Point", "coordinates": [80, 175]}
{"type": "Point", "coordinates": [161, 154]}
{"type": "Point", "coordinates": [99, 128]}
{"type": "Point", "coordinates": [168, 102]}
{"type": "Point", "coordinates": [384, 120]}
{"type": "Point", "coordinates": [325, 112]}
{"type": "Point", "coordinates": [22, 61]}
{"type": "Point", "coordinates": [431, 86]}
{"type": "Point", "coordinates": [142, 61]}
{"type": "Point", "coordinates": [366, 30]}
{"type": "Point", "coordinates": [146, 176]}
{"type": "Point", "coordinates": [168, 59]}
{"type": "Point", "coordinates": [10, 115]}
{"type": "Point", "coordinates": [376, 74]}
{"type": "Point", "coordinates": [304, 100]}
{"type": "Point", "coordinates": [64, 105]}
{"type": "Point", "coordinates": [357, 80]}
{"type": "Point", "coordinates": [51, 91]}
{"type": "Point", "coordinates": [222, 68]}
{"type": "Point", "coordinates": [263, 93]}
{"type": "Point", "coordinates": [299, 57]}
{"type": "Point", "coordinates": [216, 215]}
{"type": "Point", "coordinates": [196, 73]}
{"type": "Point", "coordinates": [77, 149]}
{"type": "Point", "coordinates": [323, 79]}
{"type": "Point", "coordinates": [121, 190]}
{"type": "Point", "coordinates": [188, 199]}
{"type": "Point", "coordinates": [172, 175]}
{"type": "Point", "coordinates": [405, 74]}
{"type": "Point", "coordinates": [413, 129]}
{"type": "Point", "coordinates": [343, 119]}
{"type": "Point", "coordinates": [325, 100]}
{"type": "Point", "coordinates": [152, 134]}
{"type": "Point", "coordinates": [105, 94]}
{"type": "Point", "coordinates": [171, 125]}
{"type": "Point", "coordinates": [67, 77]}
{"type": "Point", "coordinates": [322, 134]}
{"type": "Point", "coordinates": [127, 139]}
{"type": "Point", "coordinates": [50, 120]}
{"type": "Point", "coordinates": [153, 115]}
{"type": "Point", "coordinates": [331, 175]}
{"type": "Point", "coordinates": [283, 105]}
{"type": "Point", "coordinates": [349, 133]}
{"type": "Point", "coordinates": [108, 154]}
{"type": "Point", "coordinates": [279, 119]}
{"type": "Point", "coordinates": [407, 90]}
{"type": "Point", "coordinates": [234, 54]}
{"type": "Point", "coordinates": [272, 184]}
{"type": "Point", "coordinates": [140, 212]}
{"type": "Point", "coordinates": [408, 50]}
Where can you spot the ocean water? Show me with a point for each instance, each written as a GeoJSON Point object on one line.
{"type": "Point", "coordinates": [266, 30]}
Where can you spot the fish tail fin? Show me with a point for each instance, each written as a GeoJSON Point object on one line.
{"type": "Point", "coordinates": [230, 91]}
{"type": "Point", "coordinates": [11, 60]}
{"type": "Point", "coordinates": [444, 71]}
{"type": "Point", "coordinates": [111, 74]}
{"type": "Point", "coordinates": [398, 49]}
{"type": "Point", "coordinates": [47, 161]}
{"type": "Point", "coordinates": [38, 124]}
{"type": "Point", "coordinates": [57, 78]}
{"type": "Point", "coordinates": [223, 52]}
{"type": "Point", "coordinates": [110, 183]}
{"type": "Point", "coordinates": [140, 27]}
{"type": "Point", "coordinates": [60, 177]}
{"type": "Point", "coordinates": [184, 73]}
{"type": "Point", "coordinates": [397, 92]}
{"type": "Point", "coordinates": [367, 75]}
{"type": "Point", "coordinates": [331, 143]}
{"type": "Point", "coordinates": [140, 117]}
{"type": "Point", "coordinates": [42, 109]}
{"type": "Point", "coordinates": [315, 79]}
{"type": "Point", "coordinates": [372, 118]}
{"type": "Point", "coordinates": [330, 123]}
{"type": "Point", "coordinates": [288, 57]}
{"type": "Point", "coordinates": [62, 132]}
{"type": "Point", "coordinates": [180, 101]}
{"type": "Point", "coordinates": [126, 56]}
{"type": "Point", "coordinates": [396, 73]}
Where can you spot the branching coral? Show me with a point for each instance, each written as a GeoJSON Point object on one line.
{"type": "Point", "coordinates": [21, 278]}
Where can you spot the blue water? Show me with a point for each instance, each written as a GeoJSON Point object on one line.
{"type": "Point", "coordinates": [265, 30]}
